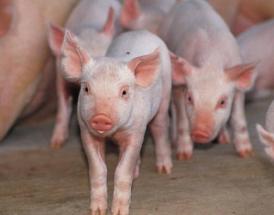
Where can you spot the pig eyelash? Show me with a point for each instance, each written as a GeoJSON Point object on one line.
{"type": "Point", "coordinates": [222, 102]}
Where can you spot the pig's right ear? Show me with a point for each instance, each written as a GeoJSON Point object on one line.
{"type": "Point", "coordinates": [108, 28]}
{"type": "Point", "coordinates": [266, 137]}
{"type": "Point", "coordinates": [180, 69]}
{"type": "Point", "coordinates": [145, 68]}
{"type": "Point", "coordinates": [55, 38]}
{"type": "Point", "coordinates": [130, 12]}
{"type": "Point", "coordinates": [73, 58]}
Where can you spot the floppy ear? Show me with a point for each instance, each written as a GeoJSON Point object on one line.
{"type": "Point", "coordinates": [73, 58]}
{"type": "Point", "coordinates": [242, 75]}
{"type": "Point", "coordinates": [130, 12]}
{"type": "Point", "coordinates": [108, 28]}
{"type": "Point", "coordinates": [180, 69]}
{"type": "Point", "coordinates": [55, 38]}
{"type": "Point", "coordinates": [145, 68]}
{"type": "Point", "coordinates": [267, 139]}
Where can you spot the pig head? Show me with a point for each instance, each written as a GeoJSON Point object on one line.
{"type": "Point", "coordinates": [209, 95]}
{"type": "Point", "coordinates": [24, 54]}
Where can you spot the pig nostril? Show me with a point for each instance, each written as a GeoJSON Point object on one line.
{"type": "Point", "coordinates": [101, 122]}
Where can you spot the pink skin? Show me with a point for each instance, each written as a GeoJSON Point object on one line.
{"type": "Point", "coordinates": [144, 14]}
{"type": "Point", "coordinates": [24, 89]}
{"type": "Point", "coordinates": [120, 95]}
{"type": "Point", "coordinates": [243, 14]}
{"type": "Point", "coordinates": [257, 45]}
{"type": "Point", "coordinates": [93, 22]}
{"type": "Point", "coordinates": [207, 84]}
{"type": "Point", "coordinates": [267, 135]}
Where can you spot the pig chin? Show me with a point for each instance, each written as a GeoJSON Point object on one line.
{"type": "Point", "coordinates": [200, 139]}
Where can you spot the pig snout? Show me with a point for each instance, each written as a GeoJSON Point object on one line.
{"type": "Point", "coordinates": [101, 123]}
{"type": "Point", "coordinates": [202, 131]}
{"type": "Point", "coordinates": [200, 136]}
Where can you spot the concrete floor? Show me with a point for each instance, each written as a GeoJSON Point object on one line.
{"type": "Point", "coordinates": [35, 180]}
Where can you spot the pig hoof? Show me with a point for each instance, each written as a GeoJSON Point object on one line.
{"type": "Point", "coordinates": [224, 138]}
{"type": "Point", "coordinates": [57, 143]}
{"type": "Point", "coordinates": [120, 209]}
{"type": "Point", "coordinates": [98, 212]}
{"type": "Point", "coordinates": [183, 156]}
{"type": "Point", "coordinates": [245, 153]}
{"type": "Point", "coordinates": [164, 170]}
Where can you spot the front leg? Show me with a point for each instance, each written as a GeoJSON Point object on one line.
{"type": "Point", "coordinates": [94, 148]}
{"type": "Point", "coordinates": [224, 136]}
{"type": "Point", "coordinates": [184, 142]}
{"type": "Point", "coordinates": [124, 173]}
{"type": "Point", "coordinates": [64, 109]}
{"type": "Point", "coordinates": [239, 126]}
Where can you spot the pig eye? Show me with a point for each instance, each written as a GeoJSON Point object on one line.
{"type": "Point", "coordinates": [124, 92]}
{"type": "Point", "coordinates": [189, 98]}
{"type": "Point", "coordinates": [222, 103]}
{"type": "Point", "coordinates": [86, 88]}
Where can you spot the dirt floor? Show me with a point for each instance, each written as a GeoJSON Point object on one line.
{"type": "Point", "coordinates": [35, 180]}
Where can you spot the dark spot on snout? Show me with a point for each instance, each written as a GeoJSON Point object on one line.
{"type": "Point", "coordinates": [128, 52]}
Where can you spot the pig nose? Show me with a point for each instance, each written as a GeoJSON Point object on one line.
{"type": "Point", "coordinates": [101, 123]}
{"type": "Point", "coordinates": [200, 136]}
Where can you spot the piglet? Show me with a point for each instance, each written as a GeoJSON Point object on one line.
{"type": "Point", "coordinates": [120, 95]}
{"type": "Point", "coordinates": [267, 135]}
{"type": "Point", "coordinates": [144, 14]}
{"type": "Point", "coordinates": [209, 78]}
{"type": "Point", "coordinates": [257, 45]}
{"type": "Point", "coordinates": [95, 23]}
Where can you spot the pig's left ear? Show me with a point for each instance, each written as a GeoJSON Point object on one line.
{"type": "Point", "coordinates": [180, 69]}
{"type": "Point", "coordinates": [266, 137]}
{"type": "Point", "coordinates": [73, 58]}
{"type": "Point", "coordinates": [242, 75]}
{"type": "Point", "coordinates": [108, 28]}
{"type": "Point", "coordinates": [130, 12]}
{"type": "Point", "coordinates": [145, 68]}
{"type": "Point", "coordinates": [55, 38]}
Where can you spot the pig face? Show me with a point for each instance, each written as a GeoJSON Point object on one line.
{"type": "Point", "coordinates": [108, 86]}
{"type": "Point", "coordinates": [96, 42]}
{"type": "Point", "coordinates": [209, 95]}
{"type": "Point", "coordinates": [106, 96]}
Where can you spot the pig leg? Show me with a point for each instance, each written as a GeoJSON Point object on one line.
{"type": "Point", "coordinates": [239, 126]}
{"type": "Point", "coordinates": [124, 173]}
{"type": "Point", "coordinates": [184, 143]}
{"type": "Point", "coordinates": [224, 136]}
{"type": "Point", "coordinates": [61, 129]}
{"type": "Point", "coordinates": [94, 149]}
{"type": "Point", "coordinates": [159, 131]}
{"type": "Point", "coordinates": [137, 168]}
{"type": "Point", "coordinates": [173, 124]}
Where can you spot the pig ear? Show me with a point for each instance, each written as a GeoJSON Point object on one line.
{"type": "Point", "coordinates": [145, 68]}
{"type": "Point", "coordinates": [130, 12]}
{"type": "Point", "coordinates": [73, 58]}
{"type": "Point", "coordinates": [242, 75]}
{"type": "Point", "coordinates": [55, 37]}
{"type": "Point", "coordinates": [180, 69]}
{"type": "Point", "coordinates": [108, 28]}
{"type": "Point", "coordinates": [267, 139]}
